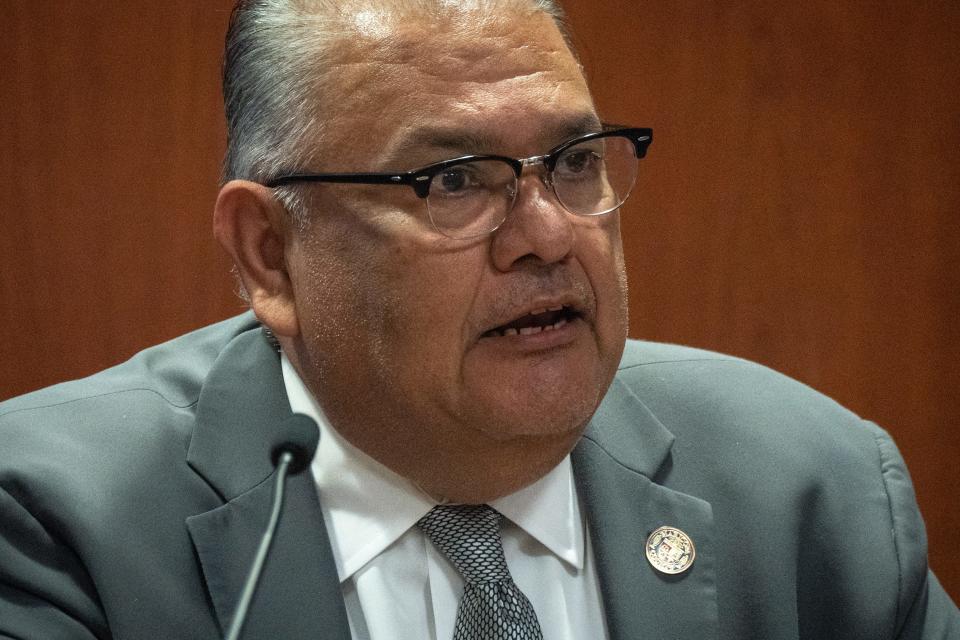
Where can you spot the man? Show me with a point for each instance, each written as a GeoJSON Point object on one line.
{"type": "Point", "coordinates": [455, 321]}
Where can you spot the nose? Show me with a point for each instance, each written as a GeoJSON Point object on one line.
{"type": "Point", "coordinates": [537, 228]}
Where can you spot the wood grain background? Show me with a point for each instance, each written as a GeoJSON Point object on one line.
{"type": "Point", "coordinates": [800, 205]}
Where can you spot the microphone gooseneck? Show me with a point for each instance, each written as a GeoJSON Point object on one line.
{"type": "Point", "coordinates": [297, 442]}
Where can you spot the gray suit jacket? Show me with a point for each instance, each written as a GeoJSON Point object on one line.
{"type": "Point", "coordinates": [131, 504]}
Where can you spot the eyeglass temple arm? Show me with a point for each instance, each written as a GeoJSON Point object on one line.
{"type": "Point", "coordinates": [347, 178]}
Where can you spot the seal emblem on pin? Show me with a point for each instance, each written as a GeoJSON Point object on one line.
{"type": "Point", "coordinates": [670, 550]}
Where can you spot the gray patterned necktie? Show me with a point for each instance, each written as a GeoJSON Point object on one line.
{"type": "Point", "coordinates": [492, 606]}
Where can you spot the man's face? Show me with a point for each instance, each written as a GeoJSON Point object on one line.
{"type": "Point", "coordinates": [402, 329]}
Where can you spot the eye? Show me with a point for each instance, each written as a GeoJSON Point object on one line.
{"type": "Point", "coordinates": [579, 162]}
{"type": "Point", "coordinates": [455, 180]}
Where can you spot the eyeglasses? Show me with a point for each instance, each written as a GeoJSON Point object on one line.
{"type": "Point", "coordinates": [472, 195]}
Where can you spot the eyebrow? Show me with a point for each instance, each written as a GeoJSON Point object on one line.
{"type": "Point", "coordinates": [457, 140]}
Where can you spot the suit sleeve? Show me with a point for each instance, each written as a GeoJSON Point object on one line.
{"type": "Point", "coordinates": [924, 610]}
{"type": "Point", "coordinates": [45, 593]}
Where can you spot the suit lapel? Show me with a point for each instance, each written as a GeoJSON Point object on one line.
{"type": "Point", "coordinates": [241, 405]}
{"type": "Point", "coordinates": [624, 448]}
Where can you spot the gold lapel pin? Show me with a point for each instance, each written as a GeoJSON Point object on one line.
{"type": "Point", "coordinates": [670, 550]}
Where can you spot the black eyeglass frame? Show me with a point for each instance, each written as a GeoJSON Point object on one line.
{"type": "Point", "coordinates": [420, 179]}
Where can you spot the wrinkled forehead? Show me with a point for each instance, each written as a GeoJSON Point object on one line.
{"type": "Point", "coordinates": [451, 33]}
{"type": "Point", "coordinates": [457, 62]}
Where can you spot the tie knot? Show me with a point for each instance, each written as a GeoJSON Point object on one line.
{"type": "Point", "coordinates": [469, 536]}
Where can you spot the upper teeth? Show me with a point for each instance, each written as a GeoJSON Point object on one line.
{"type": "Point", "coordinates": [527, 331]}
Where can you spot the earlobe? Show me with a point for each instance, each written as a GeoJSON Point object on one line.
{"type": "Point", "coordinates": [249, 223]}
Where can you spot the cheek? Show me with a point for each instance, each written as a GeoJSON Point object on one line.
{"type": "Point", "coordinates": [600, 252]}
{"type": "Point", "coordinates": [387, 300]}
{"type": "Point", "coordinates": [336, 314]}
{"type": "Point", "coordinates": [428, 322]}
{"type": "Point", "coordinates": [341, 295]}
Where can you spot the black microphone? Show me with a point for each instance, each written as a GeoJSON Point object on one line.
{"type": "Point", "coordinates": [297, 441]}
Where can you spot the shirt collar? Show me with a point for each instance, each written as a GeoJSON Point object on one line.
{"type": "Point", "coordinates": [549, 511]}
{"type": "Point", "coordinates": [367, 507]}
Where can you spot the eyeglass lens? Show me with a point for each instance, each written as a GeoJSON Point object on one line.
{"type": "Point", "coordinates": [589, 178]}
{"type": "Point", "coordinates": [471, 199]}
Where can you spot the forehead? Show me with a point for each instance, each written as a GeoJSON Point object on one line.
{"type": "Point", "coordinates": [489, 73]}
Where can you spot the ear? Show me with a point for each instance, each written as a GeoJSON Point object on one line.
{"type": "Point", "coordinates": [250, 225]}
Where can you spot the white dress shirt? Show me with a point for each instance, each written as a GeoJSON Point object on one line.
{"type": "Point", "coordinates": [396, 585]}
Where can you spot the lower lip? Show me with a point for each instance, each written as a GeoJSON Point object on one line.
{"type": "Point", "coordinates": [541, 341]}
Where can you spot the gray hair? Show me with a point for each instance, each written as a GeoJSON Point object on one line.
{"type": "Point", "coordinates": [273, 69]}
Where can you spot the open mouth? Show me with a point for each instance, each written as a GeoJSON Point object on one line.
{"type": "Point", "coordinates": [536, 321]}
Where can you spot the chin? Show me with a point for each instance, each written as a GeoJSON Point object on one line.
{"type": "Point", "coordinates": [482, 459]}
{"type": "Point", "coordinates": [548, 411]}
{"type": "Point", "coordinates": [537, 421]}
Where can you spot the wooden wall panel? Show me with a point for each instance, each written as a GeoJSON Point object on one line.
{"type": "Point", "coordinates": [112, 137]}
{"type": "Point", "coordinates": [799, 206]}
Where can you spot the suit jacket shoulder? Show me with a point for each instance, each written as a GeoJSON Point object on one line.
{"type": "Point", "coordinates": [798, 496]}
{"type": "Point", "coordinates": [174, 371]}
{"type": "Point", "coordinates": [94, 493]}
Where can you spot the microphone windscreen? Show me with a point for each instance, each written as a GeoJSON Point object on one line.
{"type": "Point", "coordinates": [298, 435]}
